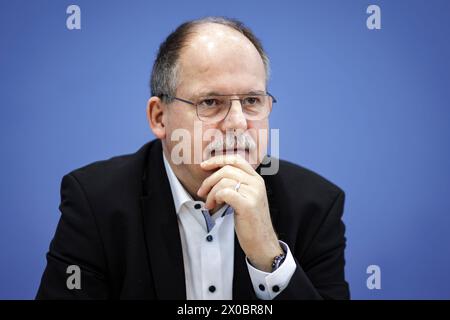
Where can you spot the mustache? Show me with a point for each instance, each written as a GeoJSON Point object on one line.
{"type": "Point", "coordinates": [231, 142]}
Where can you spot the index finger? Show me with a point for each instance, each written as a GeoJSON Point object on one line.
{"type": "Point", "coordinates": [231, 159]}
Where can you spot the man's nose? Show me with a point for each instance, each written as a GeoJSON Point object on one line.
{"type": "Point", "coordinates": [235, 118]}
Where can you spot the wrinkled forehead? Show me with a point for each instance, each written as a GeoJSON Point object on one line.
{"type": "Point", "coordinates": [220, 59]}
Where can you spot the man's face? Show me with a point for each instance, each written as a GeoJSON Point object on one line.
{"type": "Point", "coordinates": [217, 60]}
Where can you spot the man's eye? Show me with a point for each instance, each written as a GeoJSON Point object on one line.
{"type": "Point", "coordinates": [251, 100]}
{"type": "Point", "coordinates": [209, 102]}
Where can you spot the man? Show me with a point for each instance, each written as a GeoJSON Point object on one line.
{"type": "Point", "coordinates": [201, 221]}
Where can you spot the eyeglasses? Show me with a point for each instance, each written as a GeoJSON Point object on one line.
{"type": "Point", "coordinates": [215, 108]}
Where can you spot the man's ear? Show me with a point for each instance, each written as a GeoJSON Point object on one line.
{"type": "Point", "coordinates": [155, 117]}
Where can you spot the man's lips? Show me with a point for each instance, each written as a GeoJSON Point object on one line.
{"type": "Point", "coordinates": [229, 151]}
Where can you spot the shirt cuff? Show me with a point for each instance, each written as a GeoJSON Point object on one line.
{"type": "Point", "coordinates": [268, 285]}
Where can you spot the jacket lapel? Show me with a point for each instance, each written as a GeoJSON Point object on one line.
{"type": "Point", "coordinates": [161, 230]}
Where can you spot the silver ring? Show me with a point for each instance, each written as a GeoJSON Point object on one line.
{"type": "Point", "coordinates": [236, 188]}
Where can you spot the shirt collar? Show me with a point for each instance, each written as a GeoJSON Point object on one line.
{"type": "Point", "coordinates": [179, 193]}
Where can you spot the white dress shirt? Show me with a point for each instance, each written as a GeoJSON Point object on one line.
{"type": "Point", "coordinates": [208, 250]}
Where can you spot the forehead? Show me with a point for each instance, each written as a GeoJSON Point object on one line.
{"type": "Point", "coordinates": [220, 59]}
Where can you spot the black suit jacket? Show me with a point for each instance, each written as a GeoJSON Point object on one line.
{"type": "Point", "coordinates": [119, 225]}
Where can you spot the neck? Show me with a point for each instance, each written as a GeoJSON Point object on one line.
{"type": "Point", "coordinates": [189, 182]}
{"type": "Point", "coordinates": [192, 188]}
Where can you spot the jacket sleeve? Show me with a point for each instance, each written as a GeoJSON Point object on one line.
{"type": "Point", "coordinates": [77, 242]}
{"type": "Point", "coordinates": [320, 272]}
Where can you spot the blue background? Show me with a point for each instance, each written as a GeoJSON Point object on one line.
{"type": "Point", "coordinates": [369, 110]}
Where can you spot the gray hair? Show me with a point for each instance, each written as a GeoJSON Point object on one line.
{"type": "Point", "coordinates": [164, 78]}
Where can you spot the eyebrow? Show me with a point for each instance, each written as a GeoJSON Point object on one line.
{"type": "Point", "coordinates": [214, 93]}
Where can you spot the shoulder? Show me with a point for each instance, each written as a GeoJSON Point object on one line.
{"type": "Point", "coordinates": [302, 189]}
{"type": "Point", "coordinates": [114, 180]}
{"type": "Point", "coordinates": [115, 167]}
{"type": "Point", "coordinates": [306, 180]}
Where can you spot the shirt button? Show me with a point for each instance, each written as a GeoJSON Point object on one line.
{"type": "Point", "coordinates": [209, 238]}
{"type": "Point", "coordinates": [261, 287]}
{"type": "Point", "coordinates": [197, 206]}
{"type": "Point", "coordinates": [275, 288]}
{"type": "Point", "coordinates": [212, 289]}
